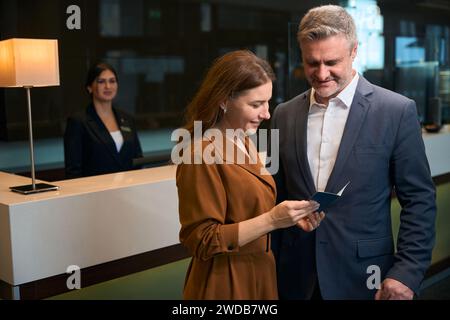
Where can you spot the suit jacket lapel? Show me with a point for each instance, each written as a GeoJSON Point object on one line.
{"type": "Point", "coordinates": [125, 129]}
{"type": "Point", "coordinates": [355, 120]}
{"type": "Point", "coordinates": [253, 166]}
{"type": "Point", "coordinates": [99, 129]}
{"type": "Point", "coordinates": [301, 128]}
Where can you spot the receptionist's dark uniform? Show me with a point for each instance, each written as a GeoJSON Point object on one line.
{"type": "Point", "coordinates": [89, 148]}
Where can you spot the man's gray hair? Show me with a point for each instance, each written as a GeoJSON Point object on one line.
{"type": "Point", "coordinates": [326, 21]}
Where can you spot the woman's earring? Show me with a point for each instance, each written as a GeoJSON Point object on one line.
{"type": "Point", "coordinates": [224, 108]}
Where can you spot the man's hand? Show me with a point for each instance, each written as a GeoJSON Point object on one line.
{"type": "Point", "coordinates": [394, 290]}
{"type": "Point", "coordinates": [311, 222]}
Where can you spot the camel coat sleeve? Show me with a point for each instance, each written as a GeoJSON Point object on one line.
{"type": "Point", "coordinates": [202, 208]}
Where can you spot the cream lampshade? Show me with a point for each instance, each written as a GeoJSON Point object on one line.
{"type": "Point", "coordinates": [29, 63]}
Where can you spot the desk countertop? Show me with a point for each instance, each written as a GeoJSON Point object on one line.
{"type": "Point", "coordinates": [69, 188]}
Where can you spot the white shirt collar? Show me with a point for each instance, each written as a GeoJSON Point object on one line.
{"type": "Point", "coordinates": [345, 96]}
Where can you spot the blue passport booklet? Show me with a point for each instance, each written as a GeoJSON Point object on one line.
{"type": "Point", "coordinates": [325, 199]}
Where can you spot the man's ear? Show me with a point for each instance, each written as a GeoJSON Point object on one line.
{"type": "Point", "coordinates": [354, 51]}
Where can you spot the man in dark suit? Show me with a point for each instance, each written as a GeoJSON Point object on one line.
{"type": "Point", "coordinates": [347, 129]}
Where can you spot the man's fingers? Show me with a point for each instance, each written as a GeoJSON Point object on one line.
{"type": "Point", "coordinates": [378, 295]}
{"type": "Point", "coordinates": [304, 205]}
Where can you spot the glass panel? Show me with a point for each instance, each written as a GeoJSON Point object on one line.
{"type": "Point", "coordinates": [297, 82]}
{"type": "Point", "coordinates": [369, 28]}
{"type": "Point", "coordinates": [422, 72]}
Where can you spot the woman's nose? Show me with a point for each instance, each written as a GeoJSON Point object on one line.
{"type": "Point", "coordinates": [265, 114]}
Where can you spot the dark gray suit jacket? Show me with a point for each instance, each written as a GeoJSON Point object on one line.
{"type": "Point", "coordinates": [381, 150]}
{"type": "Point", "coordinates": [89, 148]}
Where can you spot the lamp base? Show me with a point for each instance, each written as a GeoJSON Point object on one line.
{"type": "Point", "coordinates": [39, 187]}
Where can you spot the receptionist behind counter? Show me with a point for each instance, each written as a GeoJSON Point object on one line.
{"type": "Point", "coordinates": [101, 139]}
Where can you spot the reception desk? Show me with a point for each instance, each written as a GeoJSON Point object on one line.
{"type": "Point", "coordinates": [438, 151]}
{"type": "Point", "coordinates": [109, 226]}
{"type": "Point", "coordinates": [88, 222]}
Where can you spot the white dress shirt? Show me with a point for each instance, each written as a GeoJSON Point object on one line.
{"type": "Point", "coordinates": [325, 128]}
{"type": "Point", "coordinates": [118, 139]}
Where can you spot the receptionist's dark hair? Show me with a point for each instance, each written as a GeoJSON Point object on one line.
{"type": "Point", "coordinates": [96, 69]}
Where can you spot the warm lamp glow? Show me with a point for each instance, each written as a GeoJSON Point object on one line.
{"type": "Point", "coordinates": [29, 63]}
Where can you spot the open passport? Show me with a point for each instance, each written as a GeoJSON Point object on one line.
{"type": "Point", "coordinates": [325, 199]}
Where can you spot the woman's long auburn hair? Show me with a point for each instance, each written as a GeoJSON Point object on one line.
{"type": "Point", "coordinates": [228, 77]}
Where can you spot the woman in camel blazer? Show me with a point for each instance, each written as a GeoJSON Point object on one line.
{"type": "Point", "coordinates": [226, 198]}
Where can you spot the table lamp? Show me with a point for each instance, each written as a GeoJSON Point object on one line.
{"type": "Point", "coordinates": [29, 63]}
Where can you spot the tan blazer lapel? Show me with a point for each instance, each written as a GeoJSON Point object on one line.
{"type": "Point", "coordinates": [253, 163]}
{"type": "Point", "coordinates": [227, 152]}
